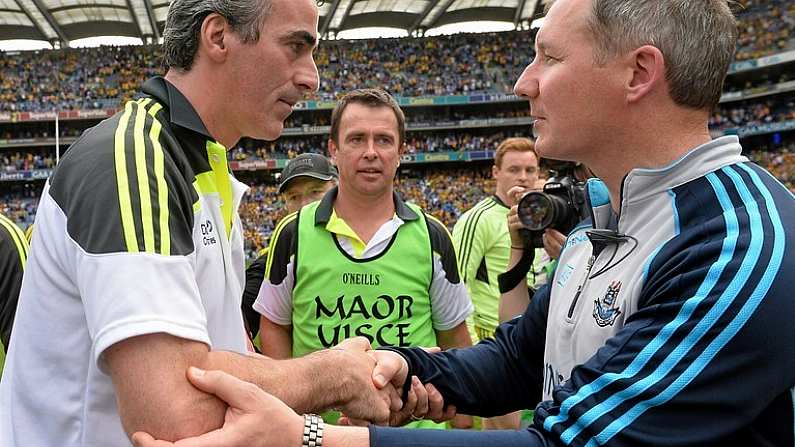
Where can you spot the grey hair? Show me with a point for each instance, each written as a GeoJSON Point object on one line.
{"type": "Point", "coordinates": [696, 37]}
{"type": "Point", "coordinates": [184, 23]}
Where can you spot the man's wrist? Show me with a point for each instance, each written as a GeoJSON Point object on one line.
{"type": "Point", "coordinates": [341, 388]}
{"type": "Point", "coordinates": [325, 392]}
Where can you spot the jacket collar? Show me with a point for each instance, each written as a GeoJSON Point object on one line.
{"type": "Point", "coordinates": [180, 110]}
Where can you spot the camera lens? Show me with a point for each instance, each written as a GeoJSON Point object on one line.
{"type": "Point", "coordinates": [536, 211]}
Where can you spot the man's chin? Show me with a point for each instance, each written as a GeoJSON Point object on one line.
{"type": "Point", "coordinates": [270, 132]}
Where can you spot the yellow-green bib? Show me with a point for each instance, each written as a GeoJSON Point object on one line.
{"type": "Point", "coordinates": [384, 298]}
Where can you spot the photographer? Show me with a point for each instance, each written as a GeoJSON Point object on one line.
{"type": "Point", "coordinates": [483, 245]}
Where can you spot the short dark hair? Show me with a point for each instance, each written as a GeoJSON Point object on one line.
{"type": "Point", "coordinates": [185, 18]}
{"type": "Point", "coordinates": [370, 97]}
{"type": "Point", "coordinates": [697, 38]}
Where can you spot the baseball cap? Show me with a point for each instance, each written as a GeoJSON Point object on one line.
{"type": "Point", "coordinates": [307, 165]}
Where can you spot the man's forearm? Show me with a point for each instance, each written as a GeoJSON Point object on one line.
{"type": "Point", "coordinates": [301, 383]}
{"type": "Point", "coordinates": [276, 340]}
{"type": "Point", "coordinates": [457, 337]}
{"type": "Point", "coordinates": [336, 436]}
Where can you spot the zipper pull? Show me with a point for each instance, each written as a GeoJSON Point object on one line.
{"type": "Point", "coordinates": [574, 301]}
{"type": "Point", "coordinates": [591, 262]}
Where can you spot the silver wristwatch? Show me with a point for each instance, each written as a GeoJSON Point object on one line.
{"type": "Point", "coordinates": [313, 431]}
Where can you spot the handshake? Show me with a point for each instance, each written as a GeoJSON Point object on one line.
{"type": "Point", "coordinates": [366, 385]}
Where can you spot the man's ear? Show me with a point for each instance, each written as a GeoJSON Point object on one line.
{"type": "Point", "coordinates": [214, 36]}
{"type": "Point", "coordinates": [648, 72]}
{"type": "Point", "coordinates": [401, 151]}
{"type": "Point", "coordinates": [332, 151]}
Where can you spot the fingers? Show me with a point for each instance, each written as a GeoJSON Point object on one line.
{"type": "Point", "coordinates": [513, 219]}
{"type": "Point", "coordinates": [422, 402]}
{"type": "Point", "coordinates": [553, 242]}
{"type": "Point", "coordinates": [435, 403]}
{"type": "Point", "coordinates": [436, 408]}
{"type": "Point", "coordinates": [559, 237]}
{"type": "Point", "coordinates": [395, 398]}
{"type": "Point", "coordinates": [402, 416]}
{"type": "Point", "coordinates": [516, 193]}
{"type": "Point", "coordinates": [141, 439]}
{"type": "Point", "coordinates": [432, 349]}
{"type": "Point", "coordinates": [391, 368]}
{"type": "Point", "coordinates": [355, 343]}
{"type": "Point", "coordinates": [416, 405]}
{"type": "Point", "coordinates": [235, 392]}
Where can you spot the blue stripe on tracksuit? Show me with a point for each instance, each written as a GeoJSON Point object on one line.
{"type": "Point", "coordinates": [688, 343]}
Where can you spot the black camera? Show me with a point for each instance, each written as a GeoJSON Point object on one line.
{"type": "Point", "coordinates": [560, 205]}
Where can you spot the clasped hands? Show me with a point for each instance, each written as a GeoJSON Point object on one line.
{"type": "Point", "coordinates": [370, 387]}
{"type": "Point", "coordinates": [388, 373]}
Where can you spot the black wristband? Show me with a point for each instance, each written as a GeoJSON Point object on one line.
{"type": "Point", "coordinates": [510, 279]}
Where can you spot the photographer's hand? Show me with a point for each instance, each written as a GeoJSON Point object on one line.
{"type": "Point", "coordinates": [553, 242]}
{"type": "Point", "coordinates": [517, 241]}
{"type": "Point", "coordinates": [516, 193]}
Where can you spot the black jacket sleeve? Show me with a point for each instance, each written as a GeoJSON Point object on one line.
{"type": "Point", "coordinates": [497, 375]}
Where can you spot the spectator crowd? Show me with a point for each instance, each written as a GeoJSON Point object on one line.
{"type": "Point", "coordinates": [779, 109]}
{"type": "Point", "coordinates": [101, 78]}
{"type": "Point", "coordinates": [26, 161]}
{"type": "Point", "coordinates": [445, 192]}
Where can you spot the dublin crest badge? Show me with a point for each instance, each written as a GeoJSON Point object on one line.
{"type": "Point", "coordinates": [605, 310]}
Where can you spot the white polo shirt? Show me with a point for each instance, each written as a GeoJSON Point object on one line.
{"type": "Point", "coordinates": [131, 238]}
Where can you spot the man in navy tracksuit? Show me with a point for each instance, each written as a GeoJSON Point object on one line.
{"type": "Point", "coordinates": [669, 319]}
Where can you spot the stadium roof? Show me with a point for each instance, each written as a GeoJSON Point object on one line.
{"type": "Point", "coordinates": [61, 21]}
